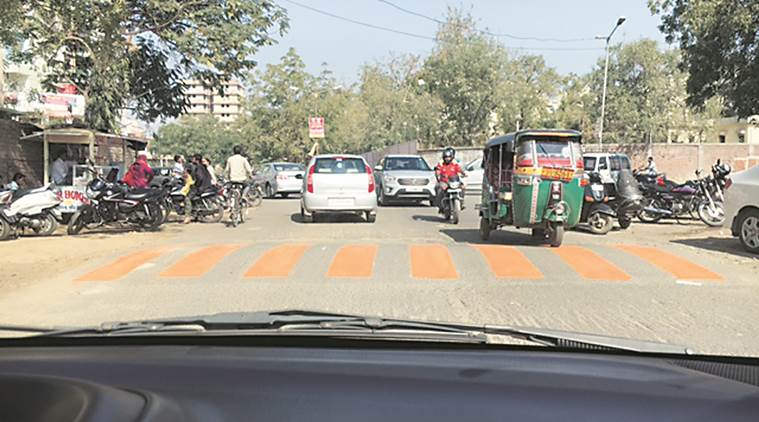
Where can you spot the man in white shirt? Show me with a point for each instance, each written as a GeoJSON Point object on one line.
{"type": "Point", "coordinates": [60, 170]}
{"type": "Point", "coordinates": [238, 169]}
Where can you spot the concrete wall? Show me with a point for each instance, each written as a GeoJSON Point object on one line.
{"type": "Point", "coordinates": [464, 155]}
{"type": "Point", "coordinates": [19, 156]}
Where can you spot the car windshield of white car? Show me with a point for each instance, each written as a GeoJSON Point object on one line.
{"type": "Point", "coordinates": [288, 167]}
{"type": "Point", "coordinates": [406, 163]}
{"type": "Point", "coordinates": [338, 165]}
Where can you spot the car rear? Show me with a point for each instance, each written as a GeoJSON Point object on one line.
{"type": "Point", "coordinates": [339, 183]}
{"type": "Point", "coordinates": [288, 178]}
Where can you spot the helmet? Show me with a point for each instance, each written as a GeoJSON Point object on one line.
{"type": "Point", "coordinates": [722, 169]}
{"type": "Point", "coordinates": [449, 154]}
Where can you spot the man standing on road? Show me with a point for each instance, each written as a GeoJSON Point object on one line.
{"type": "Point", "coordinates": [238, 169]}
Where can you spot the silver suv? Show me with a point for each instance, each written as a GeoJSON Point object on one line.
{"type": "Point", "coordinates": [404, 178]}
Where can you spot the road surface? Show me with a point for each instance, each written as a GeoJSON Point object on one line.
{"type": "Point", "coordinates": [669, 282]}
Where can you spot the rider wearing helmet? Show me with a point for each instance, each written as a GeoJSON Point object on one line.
{"type": "Point", "coordinates": [443, 170]}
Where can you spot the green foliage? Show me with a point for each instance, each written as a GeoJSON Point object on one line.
{"type": "Point", "coordinates": [134, 53]}
{"type": "Point", "coordinates": [719, 40]}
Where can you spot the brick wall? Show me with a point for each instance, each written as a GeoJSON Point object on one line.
{"type": "Point", "coordinates": [680, 161]}
{"type": "Point", "coordinates": [19, 156]}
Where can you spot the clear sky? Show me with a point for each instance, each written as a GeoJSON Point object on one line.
{"type": "Point", "coordinates": [345, 46]}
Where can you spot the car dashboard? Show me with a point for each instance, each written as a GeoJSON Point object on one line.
{"type": "Point", "coordinates": [218, 380]}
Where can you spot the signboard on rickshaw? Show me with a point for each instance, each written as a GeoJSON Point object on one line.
{"type": "Point", "coordinates": [557, 173]}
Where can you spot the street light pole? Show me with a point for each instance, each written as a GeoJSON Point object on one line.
{"type": "Point", "coordinates": [620, 21]}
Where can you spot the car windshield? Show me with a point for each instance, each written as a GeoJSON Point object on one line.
{"type": "Point", "coordinates": [288, 167]}
{"type": "Point", "coordinates": [589, 163]}
{"type": "Point", "coordinates": [165, 159]}
{"type": "Point", "coordinates": [406, 163]}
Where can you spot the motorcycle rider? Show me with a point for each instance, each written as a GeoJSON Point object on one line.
{"type": "Point", "coordinates": [650, 168]}
{"type": "Point", "coordinates": [446, 168]}
{"type": "Point", "coordinates": [201, 182]}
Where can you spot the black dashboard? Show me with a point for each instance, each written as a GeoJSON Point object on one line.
{"type": "Point", "coordinates": [226, 380]}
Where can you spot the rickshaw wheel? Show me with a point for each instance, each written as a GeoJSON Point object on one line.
{"type": "Point", "coordinates": [484, 228]}
{"type": "Point", "coordinates": [556, 236]}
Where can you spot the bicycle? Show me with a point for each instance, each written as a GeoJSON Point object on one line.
{"type": "Point", "coordinates": [236, 204]}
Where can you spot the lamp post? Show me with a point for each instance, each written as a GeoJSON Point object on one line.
{"type": "Point", "coordinates": [620, 21]}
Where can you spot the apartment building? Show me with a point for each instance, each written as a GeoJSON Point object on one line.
{"type": "Point", "coordinates": [224, 105]}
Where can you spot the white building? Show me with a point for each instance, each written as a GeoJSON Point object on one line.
{"type": "Point", "coordinates": [225, 105]}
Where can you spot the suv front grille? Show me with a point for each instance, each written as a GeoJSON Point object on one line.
{"type": "Point", "coordinates": [413, 182]}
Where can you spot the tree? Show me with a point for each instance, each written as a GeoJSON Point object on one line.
{"type": "Point", "coordinates": [576, 108]}
{"type": "Point", "coordinates": [719, 40]}
{"type": "Point", "coordinates": [465, 71]}
{"type": "Point", "coordinates": [646, 92]}
{"type": "Point", "coordinates": [525, 96]}
{"type": "Point", "coordinates": [134, 53]}
{"type": "Point", "coordinates": [198, 135]}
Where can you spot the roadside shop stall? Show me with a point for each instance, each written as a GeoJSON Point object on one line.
{"type": "Point", "coordinates": [75, 147]}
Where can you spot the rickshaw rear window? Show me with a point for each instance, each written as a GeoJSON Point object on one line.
{"type": "Point", "coordinates": [553, 153]}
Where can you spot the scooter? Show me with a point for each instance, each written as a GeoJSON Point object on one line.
{"type": "Point", "coordinates": [626, 202]}
{"type": "Point", "coordinates": [34, 209]}
{"type": "Point", "coordinates": [596, 211]}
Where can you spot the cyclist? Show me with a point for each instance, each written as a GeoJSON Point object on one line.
{"type": "Point", "coordinates": [237, 172]}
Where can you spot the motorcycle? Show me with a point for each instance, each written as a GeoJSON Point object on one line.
{"type": "Point", "coordinates": [113, 203]}
{"type": "Point", "coordinates": [34, 209]}
{"type": "Point", "coordinates": [596, 211]}
{"type": "Point", "coordinates": [666, 199]}
{"type": "Point", "coordinates": [626, 202]}
{"type": "Point", "coordinates": [711, 210]}
{"type": "Point", "coordinates": [450, 204]}
{"type": "Point", "coordinates": [206, 207]}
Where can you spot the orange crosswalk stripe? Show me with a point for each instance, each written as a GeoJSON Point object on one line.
{"type": "Point", "coordinates": [199, 262]}
{"type": "Point", "coordinates": [277, 262]}
{"type": "Point", "coordinates": [680, 268]}
{"type": "Point", "coordinates": [589, 264]}
{"type": "Point", "coordinates": [353, 261]}
{"type": "Point", "coordinates": [432, 261]}
{"type": "Point", "coordinates": [508, 262]}
{"type": "Point", "coordinates": [122, 266]}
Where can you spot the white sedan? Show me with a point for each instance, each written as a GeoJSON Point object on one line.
{"type": "Point", "coordinates": [339, 183]}
{"type": "Point", "coordinates": [742, 207]}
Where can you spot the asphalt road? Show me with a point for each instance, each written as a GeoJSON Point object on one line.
{"type": "Point", "coordinates": [669, 282]}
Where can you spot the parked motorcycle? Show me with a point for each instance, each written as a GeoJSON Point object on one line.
{"type": "Point", "coordinates": [34, 209]}
{"type": "Point", "coordinates": [206, 207]}
{"type": "Point", "coordinates": [450, 204]}
{"type": "Point", "coordinates": [596, 212]}
{"type": "Point", "coordinates": [701, 197]}
{"type": "Point", "coordinates": [114, 203]}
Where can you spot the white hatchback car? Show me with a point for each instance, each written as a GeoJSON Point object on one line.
{"type": "Point", "coordinates": [338, 183]}
{"type": "Point", "coordinates": [742, 207]}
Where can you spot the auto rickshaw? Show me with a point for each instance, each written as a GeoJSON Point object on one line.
{"type": "Point", "coordinates": [533, 179]}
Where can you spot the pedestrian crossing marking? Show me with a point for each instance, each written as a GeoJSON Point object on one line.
{"type": "Point", "coordinates": [590, 265]}
{"type": "Point", "coordinates": [278, 261]}
{"type": "Point", "coordinates": [355, 261]}
{"type": "Point", "coordinates": [432, 261]}
{"type": "Point", "coordinates": [508, 262]}
{"type": "Point", "coordinates": [122, 266]}
{"type": "Point", "coordinates": [680, 268]}
{"type": "Point", "coordinates": [426, 261]}
{"type": "Point", "coordinates": [197, 263]}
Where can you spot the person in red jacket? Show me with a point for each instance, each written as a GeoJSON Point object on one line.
{"type": "Point", "coordinates": [140, 173]}
{"type": "Point", "coordinates": [444, 170]}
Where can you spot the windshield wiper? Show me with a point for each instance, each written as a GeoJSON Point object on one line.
{"type": "Point", "coordinates": [309, 323]}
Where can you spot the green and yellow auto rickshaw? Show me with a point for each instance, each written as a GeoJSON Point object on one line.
{"type": "Point", "coordinates": [533, 179]}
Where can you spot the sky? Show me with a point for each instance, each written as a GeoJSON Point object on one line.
{"type": "Point", "coordinates": [346, 46]}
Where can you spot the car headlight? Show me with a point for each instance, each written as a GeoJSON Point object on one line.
{"type": "Point", "coordinates": [388, 179]}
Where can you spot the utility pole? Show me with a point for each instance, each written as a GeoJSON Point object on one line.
{"type": "Point", "coordinates": [620, 21]}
